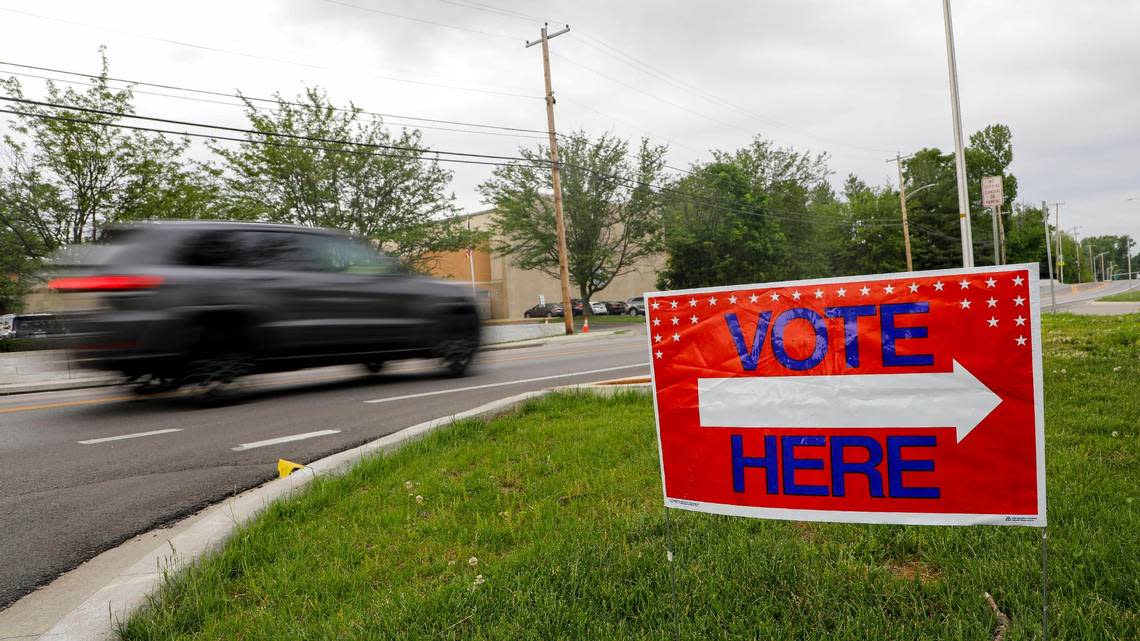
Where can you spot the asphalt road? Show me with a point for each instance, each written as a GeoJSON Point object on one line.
{"type": "Point", "coordinates": [1067, 300]}
{"type": "Point", "coordinates": [68, 493]}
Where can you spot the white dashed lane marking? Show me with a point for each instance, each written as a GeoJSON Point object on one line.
{"type": "Point", "coordinates": [126, 436]}
{"type": "Point", "coordinates": [283, 439]}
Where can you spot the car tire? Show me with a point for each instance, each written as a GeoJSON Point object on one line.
{"type": "Point", "coordinates": [632, 311]}
{"type": "Point", "coordinates": [526, 314]}
{"type": "Point", "coordinates": [214, 368]}
{"type": "Point", "coordinates": [460, 344]}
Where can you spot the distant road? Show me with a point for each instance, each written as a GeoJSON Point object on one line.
{"type": "Point", "coordinates": [1067, 300]}
{"type": "Point", "coordinates": [82, 470]}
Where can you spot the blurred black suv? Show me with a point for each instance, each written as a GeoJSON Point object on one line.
{"type": "Point", "coordinates": [199, 304]}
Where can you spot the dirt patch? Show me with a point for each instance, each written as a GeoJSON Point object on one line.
{"type": "Point", "coordinates": [911, 570]}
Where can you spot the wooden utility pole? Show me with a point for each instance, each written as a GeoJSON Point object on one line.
{"type": "Point", "coordinates": [556, 181]}
{"type": "Point", "coordinates": [902, 206]}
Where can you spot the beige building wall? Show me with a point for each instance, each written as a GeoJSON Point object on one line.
{"type": "Point", "coordinates": [513, 290]}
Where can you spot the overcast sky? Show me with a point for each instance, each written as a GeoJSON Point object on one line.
{"type": "Point", "coordinates": [858, 80]}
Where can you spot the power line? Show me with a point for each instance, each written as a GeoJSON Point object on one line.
{"type": "Point", "coordinates": [269, 143]}
{"type": "Point", "coordinates": [378, 149]}
{"type": "Point", "coordinates": [372, 118]}
{"type": "Point", "coordinates": [239, 96]}
{"type": "Point", "coordinates": [275, 134]}
{"type": "Point", "coordinates": [433, 23]}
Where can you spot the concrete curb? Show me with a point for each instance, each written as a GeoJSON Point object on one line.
{"type": "Point", "coordinates": [95, 618]}
{"type": "Point", "coordinates": [56, 386]}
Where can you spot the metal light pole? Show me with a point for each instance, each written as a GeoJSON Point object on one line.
{"type": "Point", "coordinates": [959, 152]}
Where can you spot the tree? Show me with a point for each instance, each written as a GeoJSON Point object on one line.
{"type": "Point", "coordinates": [759, 213]}
{"type": "Point", "coordinates": [875, 228]}
{"type": "Point", "coordinates": [70, 171]}
{"type": "Point", "coordinates": [609, 201]}
{"type": "Point", "coordinates": [312, 163]}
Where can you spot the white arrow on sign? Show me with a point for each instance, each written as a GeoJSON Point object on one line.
{"type": "Point", "coordinates": [943, 399]}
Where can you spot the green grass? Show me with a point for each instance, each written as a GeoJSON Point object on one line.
{"type": "Point", "coordinates": [1131, 296]}
{"type": "Point", "coordinates": [561, 505]}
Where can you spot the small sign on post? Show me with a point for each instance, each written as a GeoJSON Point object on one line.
{"type": "Point", "coordinates": [911, 398]}
{"type": "Point", "coordinates": [992, 192]}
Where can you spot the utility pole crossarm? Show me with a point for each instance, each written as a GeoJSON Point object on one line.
{"type": "Point", "coordinates": [531, 43]}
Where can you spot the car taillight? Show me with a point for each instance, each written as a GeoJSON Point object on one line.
{"type": "Point", "coordinates": [104, 283]}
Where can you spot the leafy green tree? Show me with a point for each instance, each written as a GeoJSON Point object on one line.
{"type": "Point", "coordinates": [69, 172]}
{"type": "Point", "coordinates": [759, 213]}
{"type": "Point", "coordinates": [875, 229]}
{"type": "Point", "coordinates": [330, 167]}
{"type": "Point", "coordinates": [609, 203]}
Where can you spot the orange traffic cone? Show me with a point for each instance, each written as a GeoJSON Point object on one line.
{"type": "Point", "coordinates": [586, 326]}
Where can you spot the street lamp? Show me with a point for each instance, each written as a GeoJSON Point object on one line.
{"type": "Point", "coordinates": [919, 189]}
{"type": "Point", "coordinates": [959, 151]}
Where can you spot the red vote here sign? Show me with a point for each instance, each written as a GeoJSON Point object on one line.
{"type": "Point", "coordinates": [899, 398]}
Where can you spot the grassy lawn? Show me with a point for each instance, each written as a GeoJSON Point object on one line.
{"type": "Point", "coordinates": [1132, 296]}
{"type": "Point", "coordinates": [548, 524]}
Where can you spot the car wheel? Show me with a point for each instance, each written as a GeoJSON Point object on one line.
{"type": "Point", "coordinates": [526, 314]}
{"type": "Point", "coordinates": [632, 312]}
{"type": "Point", "coordinates": [212, 373]}
{"type": "Point", "coordinates": [460, 345]}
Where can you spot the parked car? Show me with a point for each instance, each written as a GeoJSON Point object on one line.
{"type": "Point", "coordinates": [199, 304]}
{"type": "Point", "coordinates": [29, 331]}
{"type": "Point", "coordinates": [576, 306]}
{"type": "Point", "coordinates": [598, 308]}
{"type": "Point", "coordinates": [615, 306]}
{"type": "Point", "coordinates": [543, 311]}
{"type": "Point", "coordinates": [635, 306]}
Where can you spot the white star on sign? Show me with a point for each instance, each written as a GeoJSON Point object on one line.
{"type": "Point", "coordinates": [1021, 340]}
{"type": "Point", "coordinates": [660, 353]}
{"type": "Point", "coordinates": [655, 305]}
{"type": "Point", "coordinates": [732, 300]}
{"type": "Point", "coordinates": [841, 292]}
{"type": "Point", "coordinates": [657, 338]}
{"type": "Point", "coordinates": [1020, 320]}
{"type": "Point", "coordinates": [753, 298]}
{"type": "Point", "coordinates": [913, 287]}
{"type": "Point", "coordinates": [1018, 280]}
{"type": "Point", "coordinates": [1018, 301]}
{"type": "Point", "coordinates": [656, 322]}
{"type": "Point", "coordinates": [965, 303]}
{"type": "Point", "coordinates": [890, 289]}
{"type": "Point", "coordinates": [938, 286]}
{"type": "Point", "coordinates": [775, 296]}
{"type": "Point", "coordinates": [673, 304]}
{"type": "Point", "coordinates": [676, 337]}
{"type": "Point", "coordinates": [694, 319]}
{"type": "Point", "coordinates": [692, 302]}
{"type": "Point", "coordinates": [991, 302]}
{"type": "Point", "coordinates": [818, 293]}
{"type": "Point", "coordinates": [990, 282]}
{"type": "Point", "coordinates": [712, 300]}
{"type": "Point", "coordinates": [865, 290]}
{"type": "Point", "coordinates": [992, 321]}
{"type": "Point", "coordinates": [964, 284]}
{"type": "Point", "coordinates": [795, 295]}
{"type": "Point", "coordinates": [676, 321]}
